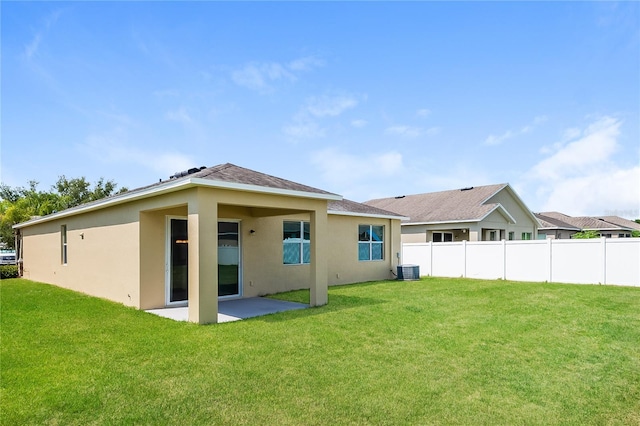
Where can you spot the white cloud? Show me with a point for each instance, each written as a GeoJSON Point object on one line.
{"type": "Point", "coordinates": [358, 124]}
{"type": "Point", "coordinates": [180, 115]}
{"type": "Point", "coordinates": [493, 140]}
{"type": "Point", "coordinates": [338, 167]}
{"type": "Point", "coordinates": [303, 129]}
{"type": "Point", "coordinates": [260, 76]}
{"type": "Point", "coordinates": [581, 177]}
{"type": "Point", "coordinates": [496, 140]}
{"type": "Point", "coordinates": [306, 63]}
{"type": "Point", "coordinates": [31, 49]}
{"type": "Point", "coordinates": [405, 131]}
{"type": "Point", "coordinates": [331, 106]}
{"type": "Point", "coordinates": [423, 112]}
{"type": "Point", "coordinates": [582, 155]}
{"type": "Point", "coordinates": [112, 148]}
{"type": "Point", "coordinates": [595, 194]}
{"type": "Point", "coordinates": [305, 123]}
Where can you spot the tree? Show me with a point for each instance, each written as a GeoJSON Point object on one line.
{"type": "Point", "coordinates": [21, 204]}
{"type": "Point", "coordinates": [77, 191]}
{"type": "Point", "coordinates": [590, 233]}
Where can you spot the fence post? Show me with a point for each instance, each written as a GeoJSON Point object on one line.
{"type": "Point", "coordinates": [603, 244]}
{"type": "Point", "coordinates": [464, 258]}
{"type": "Point", "coordinates": [549, 245]}
{"type": "Point", "coordinates": [504, 259]}
{"type": "Point", "coordinates": [430, 258]}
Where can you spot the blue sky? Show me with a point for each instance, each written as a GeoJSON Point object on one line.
{"type": "Point", "coordinates": [364, 99]}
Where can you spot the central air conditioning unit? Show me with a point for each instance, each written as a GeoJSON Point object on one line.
{"type": "Point", "coordinates": [408, 272]}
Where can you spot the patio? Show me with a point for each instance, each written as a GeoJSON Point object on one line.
{"type": "Point", "coordinates": [235, 309]}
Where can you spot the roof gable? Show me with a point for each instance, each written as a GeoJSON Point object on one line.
{"type": "Point", "coordinates": [459, 205]}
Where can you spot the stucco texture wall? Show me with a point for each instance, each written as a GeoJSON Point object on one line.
{"type": "Point", "coordinates": [102, 254]}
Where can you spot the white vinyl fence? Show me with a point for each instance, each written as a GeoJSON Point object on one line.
{"type": "Point", "coordinates": [613, 261]}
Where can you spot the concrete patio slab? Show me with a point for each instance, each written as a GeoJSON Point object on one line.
{"type": "Point", "coordinates": [235, 309]}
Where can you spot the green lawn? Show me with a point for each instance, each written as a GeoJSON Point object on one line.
{"type": "Point", "coordinates": [436, 351]}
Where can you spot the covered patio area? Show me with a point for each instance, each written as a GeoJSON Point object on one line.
{"type": "Point", "coordinates": [235, 309]}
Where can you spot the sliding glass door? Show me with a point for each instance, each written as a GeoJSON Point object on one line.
{"type": "Point", "coordinates": [228, 259]}
{"type": "Point", "coordinates": [177, 262]}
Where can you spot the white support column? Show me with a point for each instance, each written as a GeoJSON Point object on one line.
{"type": "Point", "coordinates": [318, 283]}
{"type": "Point", "coordinates": [203, 258]}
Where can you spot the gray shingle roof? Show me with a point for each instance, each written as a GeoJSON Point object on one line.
{"type": "Point", "coordinates": [603, 223]}
{"type": "Point", "coordinates": [348, 206]}
{"type": "Point", "coordinates": [227, 173]}
{"type": "Point", "coordinates": [231, 173]}
{"type": "Point", "coordinates": [620, 221]}
{"type": "Point", "coordinates": [467, 204]}
{"type": "Point", "coordinates": [548, 222]}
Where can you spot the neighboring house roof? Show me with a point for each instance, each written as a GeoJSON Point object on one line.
{"type": "Point", "coordinates": [547, 222]}
{"type": "Point", "coordinates": [620, 221]}
{"type": "Point", "coordinates": [459, 205]}
{"type": "Point", "coordinates": [223, 176]}
{"type": "Point", "coordinates": [594, 223]}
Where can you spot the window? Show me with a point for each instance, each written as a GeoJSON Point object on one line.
{"type": "Point", "coordinates": [296, 243]}
{"type": "Point", "coordinates": [526, 235]}
{"type": "Point", "coordinates": [511, 236]}
{"type": "Point", "coordinates": [492, 235]}
{"type": "Point", "coordinates": [370, 242]}
{"type": "Point", "coordinates": [439, 237]}
{"type": "Point", "coordinates": [63, 244]}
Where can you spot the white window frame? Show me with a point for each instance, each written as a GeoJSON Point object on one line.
{"type": "Point", "coordinates": [301, 243]}
{"type": "Point", "coordinates": [371, 243]}
{"type": "Point", "coordinates": [442, 238]}
{"type": "Point", "coordinates": [527, 236]}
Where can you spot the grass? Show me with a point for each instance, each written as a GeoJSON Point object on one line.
{"type": "Point", "coordinates": [435, 351]}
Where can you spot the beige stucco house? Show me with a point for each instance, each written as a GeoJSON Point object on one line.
{"type": "Point", "coordinates": [481, 213]}
{"type": "Point", "coordinates": [214, 233]}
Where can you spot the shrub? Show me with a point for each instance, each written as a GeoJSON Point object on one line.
{"type": "Point", "coordinates": [8, 271]}
{"type": "Point", "coordinates": [586, 234]}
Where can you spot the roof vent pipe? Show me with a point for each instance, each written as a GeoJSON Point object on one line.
{"type": "Point", "coordinates": [186, 172]}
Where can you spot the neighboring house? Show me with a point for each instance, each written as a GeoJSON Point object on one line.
{"type": "Point", "coordinates": [561, 226]}
{"type": "Point", "coordinates": [210, 233]}
{"type": "Point", "coordinates": [481, 213]}
{"type": "Point", "coordinates": [554, 228]}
